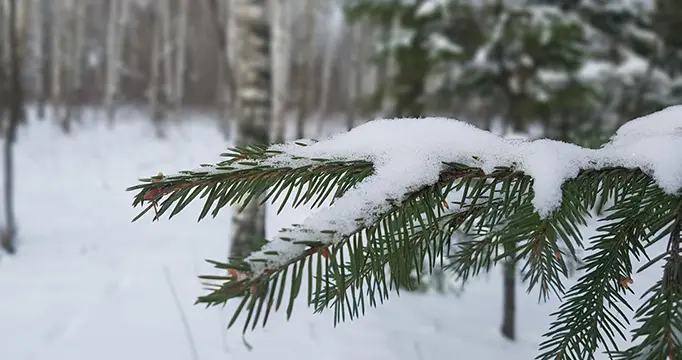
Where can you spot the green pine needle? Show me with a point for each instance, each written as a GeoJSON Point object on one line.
{"type": "Point", "coordinates": [494, 213]}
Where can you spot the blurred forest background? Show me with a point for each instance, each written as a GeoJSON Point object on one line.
{"type": "Point", "coordinates": [570, 70]}
{"type": "Point", "coordinates": [567, 65]}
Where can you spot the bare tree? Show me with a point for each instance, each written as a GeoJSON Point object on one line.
{"type": "Point", "coordinates": [157, 110]}
{"type": "Point", "coordinates": [118, 18]}
{"type": "Point", "coordinates": [167, 48]}
{"type": "Point", "coordinates": [14, 94]}
{"type": "Point", "coordinates": [305, 67]}
{"type": "Point", "coordinates": [223, 24]}
{"type": "Point", "coordinates": [78, 56]}
{"type": "Point", "coordinates": [4, 29]}
{"type": "Point", "coordinates": [43, 20]}
{"type": "Point", "coordinates": [355, 72]}
{"type": "Point", "coordinates": [281, 58]}
{"type": "Point", "coordinates": [254, 91]}
{"type": "Point", "coordinates": [83, 52]}
{"type": "Point", "coordinates": [111, 81]}
{"type": "Point", "coordinates": [67, 70]}
{"type": "Point", "coordinates": [181, 54]}
{"type": "Point", "coordinates": [56, 54]}
{"type": "Point", "coordinates": [328, 56]}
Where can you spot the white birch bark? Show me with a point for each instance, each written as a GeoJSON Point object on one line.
{"type": "Point", "coordinates": [281, 58]}
{"type": "Point", "coordinates": [254, 62]}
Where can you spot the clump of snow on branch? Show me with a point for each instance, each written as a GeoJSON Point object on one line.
{"type": "Point", "coordinates": [652, 144]}
{"type": "Point", "coordinates": [430, 7]}
{"type": "Point", "coordinates": [408, 154]}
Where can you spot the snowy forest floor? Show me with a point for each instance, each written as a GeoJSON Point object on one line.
{"type": "Point", "coordinates": [89, 284]}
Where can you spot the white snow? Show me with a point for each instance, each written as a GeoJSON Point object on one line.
{"type": "Point", "coordinates": [409, 153]}
{"type": "Point", "coordinates": [89, 284]}
{"type": "Point", "coordinates": [429, 7]}
{"type": "Point", "coordinates": [650, 143]}
{"type": "Point", "coordinates": [440, 43]}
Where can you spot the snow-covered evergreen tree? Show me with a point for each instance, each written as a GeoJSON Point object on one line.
{"type": "Point", "coordinates": [416, 44]}
{"type": "Point", "coordinates": [576, 67]}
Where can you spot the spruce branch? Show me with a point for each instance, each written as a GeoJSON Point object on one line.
{"type": "Point", "coordinates": [388, 243]}
{"type": "Point", "coordinates": [358, 266]}
{"type": "Point", "coordinates": [368, 261]}
{"type": "Point", "coordinates": [486, 200]}
{"type": "Point", "coordinates": [660, 315]}
{"type": "Point", "coordinates": [241, 179]}
{"type": "Point", "coordinates": [592, 314]}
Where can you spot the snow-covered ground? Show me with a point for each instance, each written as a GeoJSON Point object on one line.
{"type": "Point", "coordinates": [89, 284]}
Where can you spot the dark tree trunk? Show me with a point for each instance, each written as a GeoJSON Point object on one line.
{"type": "Point", "coordinates": [508, 327]}
{"type": "Point", "coordinates": [227, 79]}
{"type": "Point", "coordinates": [254, 62]}
{"type": "Point", "coordinates": [46, 48]}
{"type": "Point", "coordinates": [16, 113]}
{"type": "Point", "coordinates": [413, 69]}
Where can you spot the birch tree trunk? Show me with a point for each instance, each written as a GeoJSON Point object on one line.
{"type": "Point", "coordinates": [330, 49]}
{"type": "Point", "coordinates": [69, 56]}
{"type": "Point", "coordinates": [181, 54]}
{"type": "Point", "coordinates": [281, 58]}
{"type": "Point", "coordinates": [44, 22]}
{"type": "Point", "coordinates": [4, 29]}
{"type": "Point", "coordinates": [57, 61]}
{"type": "Point", "coordinates": [305, 63]}
{"type": "Point", "coordinates": [168, 46]}
{"type": "Point", "coordinates": [156, 111]}
{"type": "Point", "coordinates": [355, 71]}
{"type": "Point", "coordinates": [384, 68]}
{"type": "Point", "coordinates": [116, 27]}
{"type": "Point", "coordinates": [223, 19]}
{"type": "Point", "coordinates": [218, 12]}
{"type": "Point", "coordinates": [112, 61]}
{"type": "Point", "coordinates": [76, 92]}
{"type": "Point", "coordinates": [16, 103]}
{"type": "Point", "coordinates": [254, 63]}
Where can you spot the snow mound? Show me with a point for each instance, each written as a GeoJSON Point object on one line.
{"type": "Point", "coordinates": [409, 153]}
